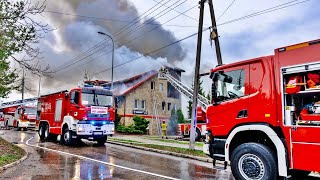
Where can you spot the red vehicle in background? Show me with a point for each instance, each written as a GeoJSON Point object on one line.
{"type": "Point", "coordinates": [24, 118]}
{"type": "Point", "coordinates": [82, 113]}
{"type": "Point", "coordinates": [8, 113]}
{"type": "Point", "coordinates": [265, 114]}
{"type": "Point", "coordinates": [184, 128]}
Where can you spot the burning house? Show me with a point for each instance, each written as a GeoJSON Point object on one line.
{"type": "Point", "coordinates": [147, 96]}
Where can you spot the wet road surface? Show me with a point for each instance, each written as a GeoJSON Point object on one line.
{"type": "Point", "coordinates": [89, 161]}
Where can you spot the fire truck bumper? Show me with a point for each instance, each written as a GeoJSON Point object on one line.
{"type": "Point", "coordinates": [32, 125]}
{"type": "Point", "coordinates": [89, 130]}
{"type": "Point", "coordinates": [23, 124]}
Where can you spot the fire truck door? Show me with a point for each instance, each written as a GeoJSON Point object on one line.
{"type": "Point", "coordinates": [305, 142]}
{"type": "Point", "coordinates": [74, 103]}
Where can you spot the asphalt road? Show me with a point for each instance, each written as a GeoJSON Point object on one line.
{"type": "Point", "coordinates": [50, 160]}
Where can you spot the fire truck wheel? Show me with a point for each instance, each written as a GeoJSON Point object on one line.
{"type": "Point", "coordinates": [18, 128]}
{"type": "Point", "coordinates": [198, 135]}
{"type": "Point", "coordinates": [299, 174]}
{"type": "Point", "coordinates": [67, 136]}
{"type": "Point", "coordinates": [41, 131]}
{"type": "Point", "coordinates": [46, 131]}
{"type": "Point", "coordinates": [253, 161]}
{"type": "Point", "coordinates": [102, 141]}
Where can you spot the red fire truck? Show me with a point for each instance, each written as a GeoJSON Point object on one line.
{"type": "Point", "coordinates": [24, 118]}
{"type": "Point", "coordinates": [184, 128]}
{"type": "Point", "coordinates": [82, 113]}
{"type": "Point", "coordinates": [265, 114]}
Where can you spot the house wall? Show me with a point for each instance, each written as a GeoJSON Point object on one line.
{"type": "Point", "coordinates": [151, 96]}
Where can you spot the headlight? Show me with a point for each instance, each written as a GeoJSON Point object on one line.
{"type": "Point", "coordinates": [80, 129]}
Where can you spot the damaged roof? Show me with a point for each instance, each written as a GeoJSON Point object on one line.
{"type": "Point", "coordinates": [125, 86]}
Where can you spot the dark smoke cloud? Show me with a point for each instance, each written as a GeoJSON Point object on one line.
{"type": "Point", "coordinates": [74, 35]}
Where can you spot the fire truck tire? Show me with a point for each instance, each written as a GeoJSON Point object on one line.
{"type": "Point", "coordinates": [299, 174]}
{"type": "Point", "coordinates": [18, 128]}
{"type": "Point", "coordinates": [102, 141]}
{"type": "Point", "coordinates": [67, 137]}
{"type": "Point", "coordinates": [198, 135]}
{"type": "Point", "coordinates": [253, 161]}
{"type": "Point", "coordinates": [46, 132]}
{"type": "Point", "coordinates": [41, 131]}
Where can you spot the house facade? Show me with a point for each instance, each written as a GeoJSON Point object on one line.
{"type": "Point", "coordinates": [147, 96]}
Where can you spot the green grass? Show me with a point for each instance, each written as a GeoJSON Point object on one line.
{"type": "Point", "coordinates": [9, 152]}
{"type": "Point", "coordinates": [165, 148]}
{"type": "Point", "coordinates": [199, 144]}
{"type": "Point", "coordinates": [124, 140]}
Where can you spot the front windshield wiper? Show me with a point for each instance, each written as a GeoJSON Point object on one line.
{"type": "Point", "coordinates": [97, 99]}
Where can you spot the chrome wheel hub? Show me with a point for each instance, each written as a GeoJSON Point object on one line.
{"type": "Point", "coordinates": [251, 167]}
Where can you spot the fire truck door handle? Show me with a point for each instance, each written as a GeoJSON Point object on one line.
{"type": "Point", "coordinates": [294, 128]}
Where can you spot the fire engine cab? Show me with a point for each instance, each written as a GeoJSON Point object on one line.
{"type": "Point", "coordinates": [82, 113]}
{"type": "Point", "coordinates": [265, 114]}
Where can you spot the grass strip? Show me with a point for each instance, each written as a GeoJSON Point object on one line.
{"type": "Point", "coordinates": [165, 148]}
{"type": "Point", "coordinates": [9, 153]}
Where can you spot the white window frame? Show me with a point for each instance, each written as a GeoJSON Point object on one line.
{"type": "Point", "coordinates": [160, 87]}
{"type": "Point", "coordinates": [143, 104]}
{"type": "Point", "coordinates": [136, 106]}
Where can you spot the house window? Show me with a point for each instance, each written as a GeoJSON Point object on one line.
{"type": "Point", "coordinates": [169, 106]}
{"type": "Point", "coordinates": [143, 104]}
{"type": "Point", "coordinates": [160, 87]}
{"type": "Point", "coordinates": [136, 104]}
{"type": "Point", "coordinates": [163, 106]}
{"type": "Point", "coordinates": [152, 85]}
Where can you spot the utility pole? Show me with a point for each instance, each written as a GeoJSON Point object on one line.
{"type": "Point", "coordinates": [196, 79]}
{"type": "Point", "coordinates": [214, 34]}
{"type": "Point", "coordinates": [39, 86]}
{"type": "Point", "coordinates": [22, 84]}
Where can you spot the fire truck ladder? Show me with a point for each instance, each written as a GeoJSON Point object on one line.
{"type": "Point", "coordinates": [185, 90]}
{"type": "Point", "coordinates": [17, 103]}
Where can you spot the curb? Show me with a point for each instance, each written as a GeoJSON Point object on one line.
{"type": "Point", "coordinates": [203, 159]}
{"type": "Point", "coordinates": [5, 167]}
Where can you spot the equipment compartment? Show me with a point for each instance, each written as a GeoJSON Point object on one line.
{"type": "Point", "coordinates": [302, 98]}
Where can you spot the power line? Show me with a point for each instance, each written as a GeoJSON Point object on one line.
{"type": "Point", "coordinates": [153, 19]}
{"type": "Point", "coordinates": [128, 42]}
{"type": "Point", "coordinates": [275, 8]}
{"type": "Point", "coordinates": [179, 12]}
{"type": "Point", "coordinates": [149, 53]}
{"type": "Point", "coordinates": [159, 25]}
{"type": "Point", "coordinates": [278, 7]}
{"type": "Point", "coordinates": [115, 20]}
{"type": "Point", "coordinates": [226, 10]}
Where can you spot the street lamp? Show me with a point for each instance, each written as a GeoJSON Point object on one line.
{"type": "Point", "coordinates": [102, 33]}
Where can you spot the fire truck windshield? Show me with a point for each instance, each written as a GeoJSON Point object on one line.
{"type": "Point", "coordinates": [229, 85]}
{"type": "Point", "coordinates": [30, 110]}
{"type": "Point", "coordinates": [92, 99]}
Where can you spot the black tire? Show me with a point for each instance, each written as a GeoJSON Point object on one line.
{"type": "Point", "coordinates": [67, 137]}
{"type": "Point", "coordinates": [18, 128]}
{"type": "Point", "coordinates": [25, 129]}
{"type": "Point", "coordinates": [102, 141]}
{"type": "Point", "coordinates": [41, 131]}
{"type": "Point", "coordinates": [46, 132]}
{"type": "Point", "coordinates": [198, 135]}
{"type": "Point", "coordinates": [253, 161]}
{"type": "Point", "coordinates": [299, 174]}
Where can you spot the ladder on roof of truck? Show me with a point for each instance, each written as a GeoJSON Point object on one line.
{"type": "Point", "coordinates": [17, 102]}
{"type": "Point", "coordinates": [185, 90]}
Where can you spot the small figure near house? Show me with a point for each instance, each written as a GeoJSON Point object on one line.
{"type": "Point", "coordinates": [164, 129]}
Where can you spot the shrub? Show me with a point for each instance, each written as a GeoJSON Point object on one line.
{"type": "Point", "coordinates": [139, 127]}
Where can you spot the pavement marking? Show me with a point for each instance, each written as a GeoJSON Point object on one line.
{"type": "Point", "coordinates": [98, 161]}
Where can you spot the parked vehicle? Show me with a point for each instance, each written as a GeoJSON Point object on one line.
{"type": "Point", "coordinates": [82, 113]}
{"type": "Point", "coordinates": [265, 114]}
{"type": "Point", "coordinates": [24, 118]}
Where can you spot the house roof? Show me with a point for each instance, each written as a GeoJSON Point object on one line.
{"type": "Point", "coordinates": [125, 86]}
